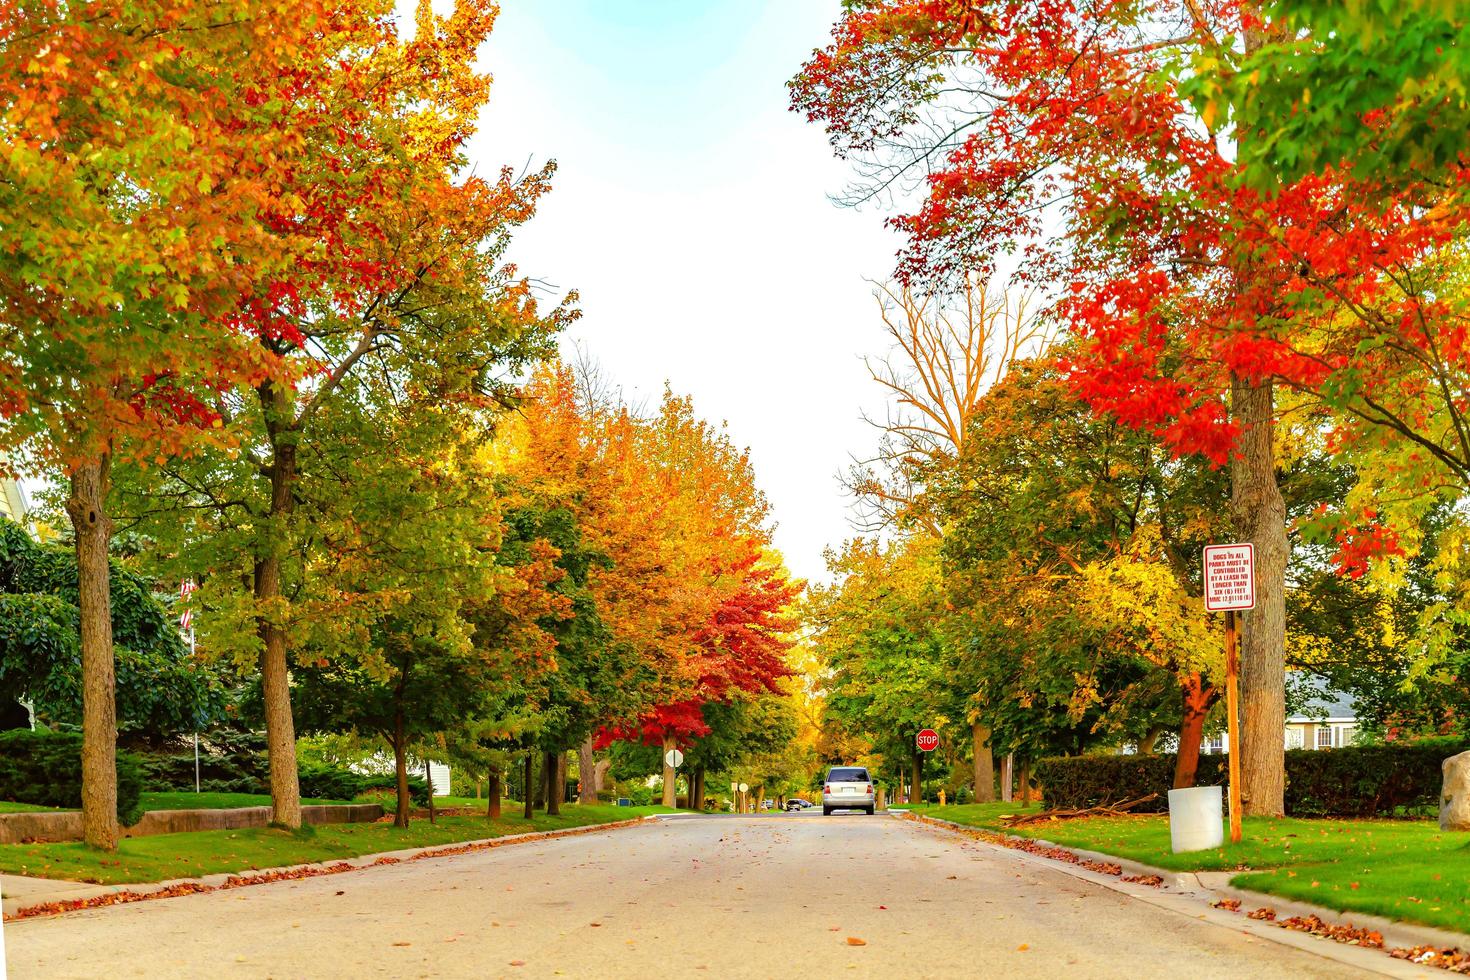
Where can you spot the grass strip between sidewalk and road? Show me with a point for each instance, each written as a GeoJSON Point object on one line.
{"type": "Point", "coordinates": [190, 855]}
{"type": "Point", "coordinates": [1399, 869]}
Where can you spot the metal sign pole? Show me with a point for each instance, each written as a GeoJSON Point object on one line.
{"type": "Point", "coordinates": [1232, 709]}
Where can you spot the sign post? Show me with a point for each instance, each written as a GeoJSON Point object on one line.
{"type": "Point", "coordinates": [1230, 585]}
{"type": "Point", "coordinates": [186, 622]}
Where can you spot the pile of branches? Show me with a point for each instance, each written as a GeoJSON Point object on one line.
{"type": "Point", "coordinates": [1101, 810]}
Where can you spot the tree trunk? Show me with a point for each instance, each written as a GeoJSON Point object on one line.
{"type": "Point", "coordinates": [1150, 741]}
{"type": "Point", "coordinates": [670, 790]}
{"type": "Point", "coordinates": [280, 729]}
{"type": "Point", "coordinates": [1260, 518]}
{"type": "Point", "coordinates": [586, 773]}
{"type": "Point", "coordinates": [492, 792]}
{"type": "Point", "coordinates": [400, 770]}
{"type": "Point", "coordinates": [86, 505]}
{"type": "Point", "coordinates": [429, 781]}
{"type": "Point", "coordinates": [696, 790]}
{"type": "Point", "coordinates": [549, 763]}
{"type": "Point", "coordinates": [540, 790]}
{"type": "Point", "coordinates": [603, 765]}
{"type": "Point", "coordinates": [984, 764]}
{"type": "Point", "coordinates": [530, 791]}
{"type": "Point", "coordinates": [563, 765]}
{"type": "Point", "coordinates": [760, 797]}
{"type": "Point", "coordinates": [1025, 781]}
{"type": "Point", "coordinates": [1197, 700]}
{"type": "Point", "coordinates": [1007, 768]}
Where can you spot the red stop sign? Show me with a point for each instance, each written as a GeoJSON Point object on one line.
{"type": "Point", "coordinates": [928, 740]}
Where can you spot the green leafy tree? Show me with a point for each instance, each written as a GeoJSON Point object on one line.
{"type": "Point", "coordinates": [162, 691]}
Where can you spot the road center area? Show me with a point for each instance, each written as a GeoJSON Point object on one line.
{"type": "Point", "coordinates": [747, 897]}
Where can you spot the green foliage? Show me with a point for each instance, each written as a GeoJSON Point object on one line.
{"type": "Point", "coordinates": [1303, 99]}
{"type": "Point", "coordinates": [1360, 781]}
{"type": "Point", "coordinates": [161, 690]}
{"type": "Point", "coordinates": [332, 782]}
{"type": "Point", "coordinates": [45, 768]}
{"type": "Point", "coordinates": [229, 762]}
{"type": "Point", "coordinates": [1367, 781]}
{"type": "Point", "coordinates": [1090, 780]}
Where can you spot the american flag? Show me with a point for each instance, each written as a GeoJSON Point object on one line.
{"type": "Point", "coordinates": [185, 588]}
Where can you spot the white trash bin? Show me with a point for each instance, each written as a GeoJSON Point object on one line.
{"type": "Point", "coordinates": [1196, 819]}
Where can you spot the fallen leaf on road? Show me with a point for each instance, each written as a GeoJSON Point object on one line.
{"type": "Point", "coordinates": [403, 944]}
{"type": "Point", "coordinates": [517, 962]}
{"type": "Point", "coordinates": [883, 907]}
{"type": "Point", "coordinates": [596, 925]}
{"type": "Point", "coordinates": [855, 941]}
{"type": "Point", "coordinates": [952, 878]}
{"type": "Point", "coordinates": [1023, 947]}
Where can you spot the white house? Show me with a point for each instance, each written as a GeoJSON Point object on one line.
{"type": "Point", "coordinates": [13, 503]}
{"type": "Point", "coordinates": [1327, 720]}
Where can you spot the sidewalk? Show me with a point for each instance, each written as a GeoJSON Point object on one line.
{"type": "Point", "coordinates": [1211, 891]}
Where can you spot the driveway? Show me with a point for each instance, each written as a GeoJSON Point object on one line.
{"type": "Point", "coordinates": [748, 897]}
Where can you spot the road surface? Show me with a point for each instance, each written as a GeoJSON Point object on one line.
{"type": "Point", "coordinates": [774, 896]}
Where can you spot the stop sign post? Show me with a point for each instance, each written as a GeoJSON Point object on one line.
{"type": "Point", "coordinates": [927, 740]}
{"type": "Point", "coordinates": [1230, 585]}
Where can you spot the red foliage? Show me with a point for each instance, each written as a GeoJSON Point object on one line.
{"type": "Point", "coordinates": [740, 650]}
{"type": "Point", "coordinates": [1179, 277]}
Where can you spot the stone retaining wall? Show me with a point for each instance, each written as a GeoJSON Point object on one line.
{"type": "Point", "coordinates": [66, 825]}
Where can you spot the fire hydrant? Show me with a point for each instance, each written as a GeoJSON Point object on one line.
{"type": "Point", "coordinates": [941, 797]}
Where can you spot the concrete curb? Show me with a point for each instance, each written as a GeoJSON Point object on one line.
{"type": "Point", "coordinates": [1186, 891]}
{"type": "Point", "coordinates": [76, 896]}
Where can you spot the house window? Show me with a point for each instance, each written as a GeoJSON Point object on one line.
{"type": "Point", "coordinates": [1324, 736]}
{"type": "Point", "coordinates": [1345, 735]}
{"type": "Point", "coordinates": [1215, 745]}
{"type": "Point", "coordinates": [1294, 738]}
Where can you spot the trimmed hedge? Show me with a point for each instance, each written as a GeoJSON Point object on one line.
{"type": "Point", "coordinates": [45, 768]}
{"type": "Point", "coordinates": [1359, 781]}
{"type": "Point", "coordinates": [239, 767]}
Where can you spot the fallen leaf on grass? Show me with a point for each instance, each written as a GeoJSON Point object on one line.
{"type": "Point", "coordinates": [855, 941]}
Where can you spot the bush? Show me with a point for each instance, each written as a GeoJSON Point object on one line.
{"type": "Point", "coordinates": [382, 789]}
{"type": "Point", "coordinates": [1357, 781]}
{"type": "Point", "coordinates": [1367, 780]}
{"type": "Point", "coordinates": [45, 768]}
{"type": "Point", "coordinates": [229, 762]}
{"type": "Point", "coordinates": [640, 796]}
{"type": "Point", "coordinates": [322, 782]}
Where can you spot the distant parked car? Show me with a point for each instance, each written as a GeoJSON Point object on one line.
{"type": "Point", "coordinates": [795, 805]}
{"type": "Point", "coordinates": [847, 788]}
{"type": "Point", "coordinates": [768, 804]}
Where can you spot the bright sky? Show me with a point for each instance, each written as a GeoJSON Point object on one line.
{"type": "Point", "coordinates": [691, 212]}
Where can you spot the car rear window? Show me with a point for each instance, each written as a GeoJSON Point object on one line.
{"type": "Point", "coordinates": [848, 776]}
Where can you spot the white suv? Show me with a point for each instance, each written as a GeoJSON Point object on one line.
{"type": "Point", "coordinates": [847, 788]}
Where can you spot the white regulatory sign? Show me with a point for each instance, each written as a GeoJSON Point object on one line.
{"type": "Point", "coordinates": [1230, 577]}
{"type": "Point", "coordinates": [674, 758]}
{"type": "Point", "coordinates": [745, 787]}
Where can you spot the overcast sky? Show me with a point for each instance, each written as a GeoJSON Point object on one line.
{"type": "Point", "coordinates": [691, 212]}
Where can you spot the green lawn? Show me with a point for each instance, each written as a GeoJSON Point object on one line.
{"type": "Point", "coordinates": [184, 800]}
{"type": "Point", "coordinates": [1402, 869]}
{"type": "Point", "coordinates": [22, 807]}
{"type": "Point", "coordinates": [168, 856]}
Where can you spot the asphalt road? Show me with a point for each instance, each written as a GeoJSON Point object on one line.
{"type": "Point", "coordinates": [780, 896]}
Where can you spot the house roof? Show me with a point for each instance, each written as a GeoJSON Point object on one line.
{"type": "Point", "coordinates": [1322, 704]}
